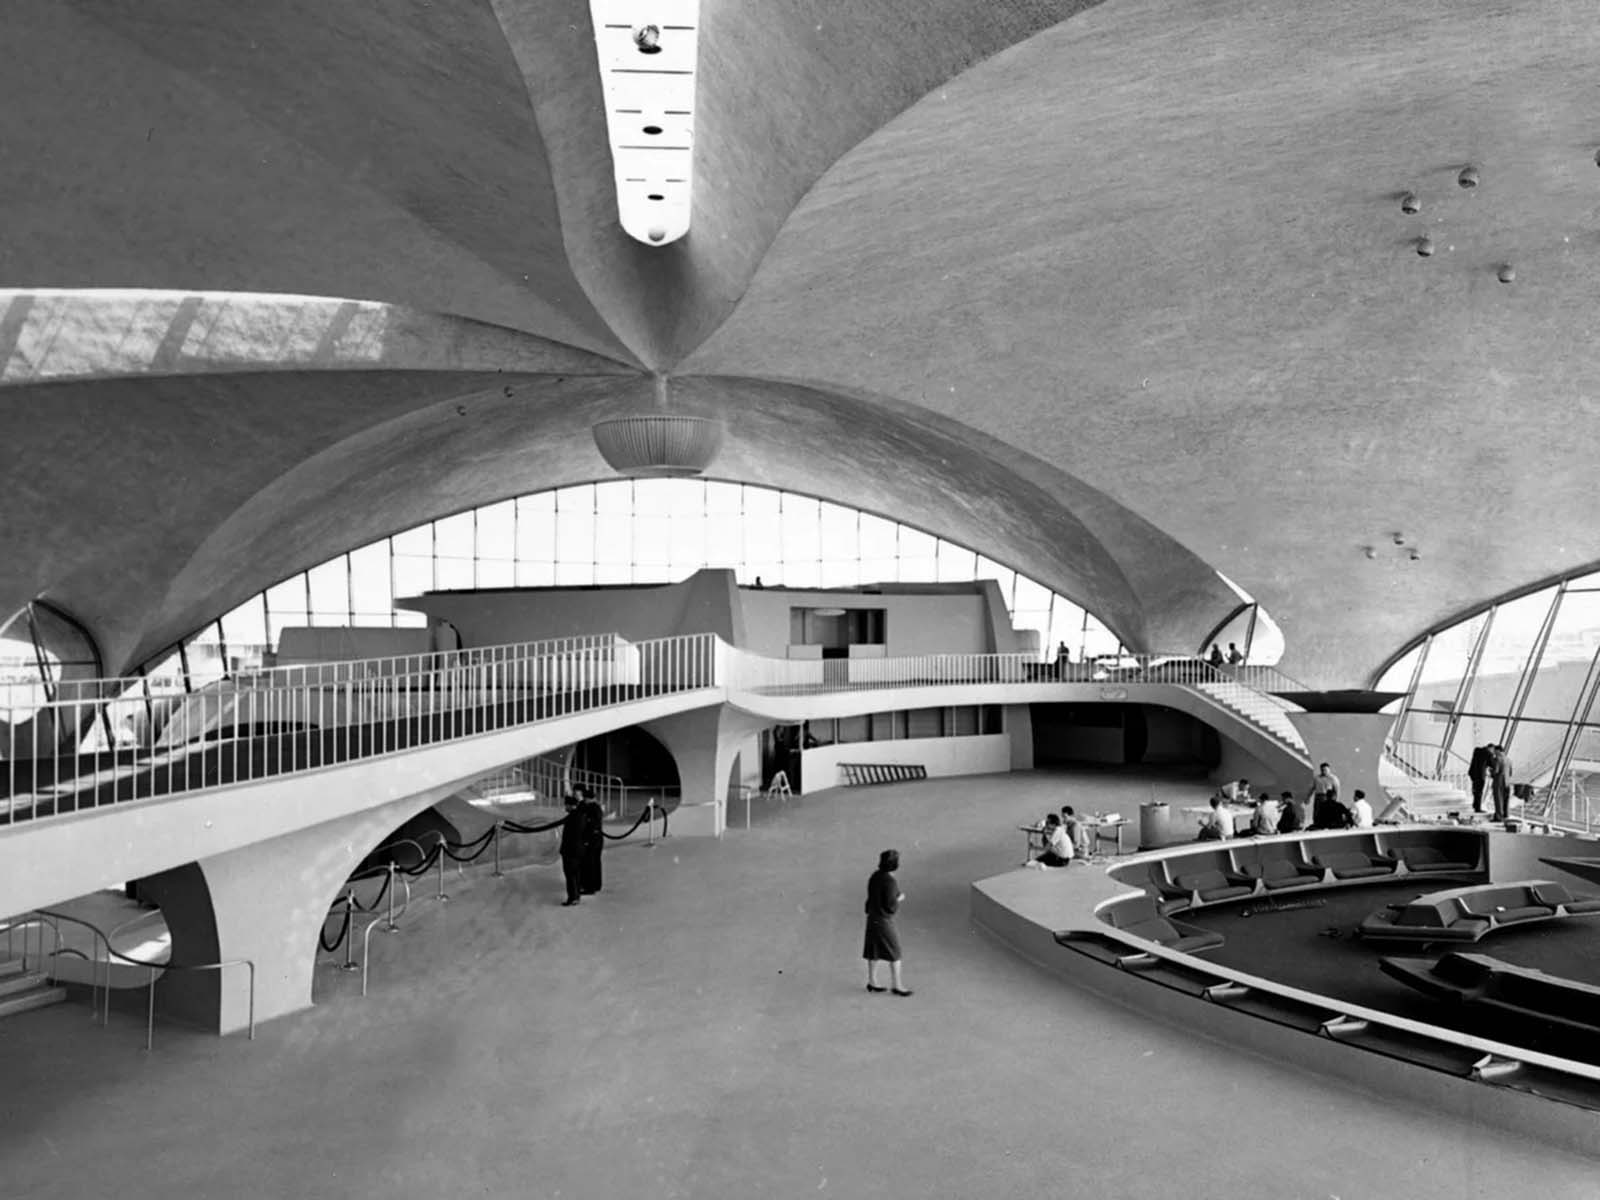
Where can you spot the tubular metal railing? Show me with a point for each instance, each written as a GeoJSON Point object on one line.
{"type": "Point", "coordinates": [295, 719]}
{"type": "Point", "coordinates": [99, 994]}
{"type": "Point", "coordinates": [157, 970]}
{"type": "Point", "coordinates": [38, 923]}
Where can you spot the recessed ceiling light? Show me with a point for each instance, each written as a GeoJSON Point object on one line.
{"type": "Point", "coordinates": [1468, 177]}
{"type": "Point", "coordinates": [1409, 203]}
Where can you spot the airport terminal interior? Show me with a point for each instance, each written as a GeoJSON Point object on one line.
{"type": "Point", "coordinates": [512, 508]}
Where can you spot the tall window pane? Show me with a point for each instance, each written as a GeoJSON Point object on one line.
{"type": "Point", "coordinates": [371, 588]}
{"type": "Point", "coordinates": [453, 536]}
{"type": "Point", "coordinates": [497, 530]}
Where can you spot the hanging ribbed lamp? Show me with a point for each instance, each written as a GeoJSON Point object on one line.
{"type": "Point", "coordinates": [658, 444]}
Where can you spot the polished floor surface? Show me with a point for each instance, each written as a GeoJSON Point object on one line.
{"type": "Point", "coordinates": [700, 1030]}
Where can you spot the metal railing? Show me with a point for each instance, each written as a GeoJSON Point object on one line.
{"type": "Point", "coordinates": [296, 719]}
{"type": "Point", "coordinates": [99, 994]}
{"type": "Point", "coordinates": [157, 970]}
{"type": "Point", "coordinates": [38, 924]}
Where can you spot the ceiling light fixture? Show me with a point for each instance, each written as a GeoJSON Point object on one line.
{"type": "Point", "coordinates": [1410, 204]}
{"type": "Point", "coordinates": [658, 444]}
{"type": "Point", "coordinates": [1424, 246]}
{"type": "Point", "coordinates": [1506, 273]}
{"type": "Point", "coordinates": [1468, 177]}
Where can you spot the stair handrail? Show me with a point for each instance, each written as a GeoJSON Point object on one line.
{"type": "Point", "coordinates": [148, 915]}
{"type": "Point", "coordinates": [40, 923]}
{"type": "Point", "coordinates": [158, 969]}
{"type": "Point", "coordinates": [102, 939]}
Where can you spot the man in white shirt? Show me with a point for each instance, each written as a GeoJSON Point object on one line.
{"type": "Point", "coordinates": [1361, 810]}
{"type": "Point", "coordinates": [1267, 816]}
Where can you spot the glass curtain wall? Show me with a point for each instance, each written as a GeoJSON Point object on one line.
{"type": "Point", "coordinates": [621, 531]}
{"type": "Point", "coordinates": [1522, 673]}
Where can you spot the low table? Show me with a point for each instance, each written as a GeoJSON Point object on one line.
{"type": "Point", "coordinates": [1102, 830]}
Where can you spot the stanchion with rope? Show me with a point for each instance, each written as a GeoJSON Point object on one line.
{"type": "Point", "coordinates": [349, 963]}
{"type": "Point", "coordinates": [498, 873]}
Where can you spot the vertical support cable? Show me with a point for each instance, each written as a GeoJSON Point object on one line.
{"type": "Point", "coordinates": [1530, 673]}
{"type": "Point", "coordinates": [1467, 678]}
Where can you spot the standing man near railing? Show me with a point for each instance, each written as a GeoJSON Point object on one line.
{"type": "Point", "coordinates": [1500, 781]}
{"type": "Point", "coordinates": [573, 848]}
{"type": "Point", "coordinates": [1477, 772]}
{"type": "Point", "coordinates": [594, 840]}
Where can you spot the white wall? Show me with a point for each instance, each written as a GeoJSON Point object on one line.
{"type": "Point", "coordinates": [984, 754]}
{"type": "Point", "coordinates": [913, 624]}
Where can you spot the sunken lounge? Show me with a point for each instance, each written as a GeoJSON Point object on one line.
{"type": "Point", "coordinates": [1455, 966]}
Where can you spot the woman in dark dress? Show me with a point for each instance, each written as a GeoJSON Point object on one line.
{"type": "Point", "coordinates": [882, 942]}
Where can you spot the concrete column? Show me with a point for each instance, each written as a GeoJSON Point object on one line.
{"type": "Point", "coordinates": [1352, 743]}
{"type": "Point", "coordinates": [704, 744]}
{"type": "Point", "coordinates": [265, 902]}
{"type": "Point", "coordinates": [1018, 722]}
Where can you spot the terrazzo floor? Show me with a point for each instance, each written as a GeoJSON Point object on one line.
{"type": "Point", "coordinates": [700, 1030]}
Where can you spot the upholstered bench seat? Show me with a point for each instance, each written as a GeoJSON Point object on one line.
{"type": "Point", "coordinates": [1214, 886]}
{"type": "Point", "coordinates": [1278, 873]}
{"type": "Point", "coordinates": [1470, 913]}
{"type": "Point", "coordinates": [1427, 860]}
{"type": "Point", "coordinates": [1352, 864]}
{"type": "Point", "coordinates": [1139, 917]}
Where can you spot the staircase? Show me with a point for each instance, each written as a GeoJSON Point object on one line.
{"type": "Point", "coordinates": [1426, 799]}
{"type": "Point", "coordinates": [21, 991]}
{"type": "Point", "coordinates": [1261, 708]}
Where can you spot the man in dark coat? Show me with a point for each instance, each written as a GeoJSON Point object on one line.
{"type": "Point", "coordinates": [1500, 781]}
{"type": "Point", "coordinates": [573, 831]}
{"type": "Point", "coordinates": [1477, 772]}
{"type": "Point", "coordinates": [594, 841]}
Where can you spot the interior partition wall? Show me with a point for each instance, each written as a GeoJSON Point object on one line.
{"type": "Point", "coordinates": [1522, 673]}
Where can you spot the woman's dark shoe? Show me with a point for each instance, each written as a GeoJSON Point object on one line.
{"type": "Point", "coordinates": [872, 987]}
{"type": "Point", "coordinates": [902, 991]}
{"type": "Point", "coordinates": [568, 903]}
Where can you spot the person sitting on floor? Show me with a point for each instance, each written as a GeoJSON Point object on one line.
{"type": "Point", "coordinates": [1057, 846]}
{"type": "Point", "coordinates": [1267, 817]}
{"type": "Point", "coordinates": [1219, 825]}
{"type": "Point", "coordinates": [1361, 811]}
{"type": "Point", "coordinates": [1289, 820]}
{"type": "Point", "coordinates": [1077, 831]}
{"type": "Point", "coordinates": [1329, 813]}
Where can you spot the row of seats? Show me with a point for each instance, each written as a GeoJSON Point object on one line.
{"type": "Point", "coordinates": [1478, 982]}
{"type": "Point", "coordinates": [1472, 913]}
{"type": "Point", "coordinates": [1288, 871]}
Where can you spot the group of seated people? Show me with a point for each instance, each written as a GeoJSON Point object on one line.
{"type": "Point", "coordinates": [1065, 837]}
{"type": "Point", "coordinates": [1283, 815]}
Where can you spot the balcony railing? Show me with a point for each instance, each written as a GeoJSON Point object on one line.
{"type": "Point", "coordinates": [296, 719]}
{"type": "Point", "coordinates": [293, 719]}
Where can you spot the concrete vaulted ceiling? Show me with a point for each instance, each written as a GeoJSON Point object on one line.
{"type": "Point", "coordinates": [1119, 294]}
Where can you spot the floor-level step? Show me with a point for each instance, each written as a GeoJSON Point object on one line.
{"type": "Point", "coordinates": [19, 993]}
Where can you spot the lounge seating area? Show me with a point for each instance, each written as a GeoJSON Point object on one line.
{"type": "Point", "coordinates": [1471, 913]}
{"type": "Point", "coordinates": [1139, 916]}
{"type": "Point", "coordinates": [1501, 988]}
{"type": "Point", "coordinates": [1427, 860]}
{"type": "Point", "coordinates": [1354, 864]}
